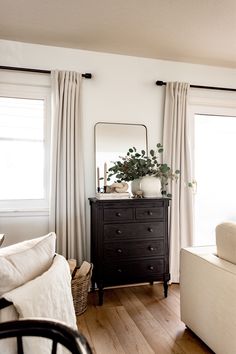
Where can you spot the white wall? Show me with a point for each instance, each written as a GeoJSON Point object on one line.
{"type": "Point", "coordinates": [122, 90]}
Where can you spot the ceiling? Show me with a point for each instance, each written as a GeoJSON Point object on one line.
{"type": "Point", "coordinates": [195, 31]}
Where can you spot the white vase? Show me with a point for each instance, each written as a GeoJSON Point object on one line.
{"type": "Point", "coordinates": [151, 187]}
{"type": "Point", "coordinates": [135, 186]}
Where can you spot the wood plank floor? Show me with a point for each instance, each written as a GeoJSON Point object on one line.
{"type": "Point", "coordinates": [138, 320]}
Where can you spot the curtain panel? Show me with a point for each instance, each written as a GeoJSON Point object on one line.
{"type": "Point", "coordinates": [67, 199]}
{"type": "Point", "coordinates": [177, 155]}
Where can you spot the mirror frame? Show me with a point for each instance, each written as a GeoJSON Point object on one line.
{"type": "Point", "coordinates": [95, 142]}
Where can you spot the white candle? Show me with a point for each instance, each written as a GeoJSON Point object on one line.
{"type": "Point", "coordinates": [98, 178]}
{"type": "Point", "coordinates": [105, 174]}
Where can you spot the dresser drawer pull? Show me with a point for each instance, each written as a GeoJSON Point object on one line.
{"type": "Point", "coordinates": [119, 232]}
{"type": "Point", "coordinates": [119, 250]}
{"type": "Point", "coordinates": [118, 214]}
{"type": "Point", "coordinates": [150, 212]}
{"type": "Point", "coordinates": [119, 270]}
{"type": "Point", "coordinates": [150, 267]}
{"type": "Point", "coordinates": [151, 248]}
{"type": "Point", "coordinates": [150, 229]}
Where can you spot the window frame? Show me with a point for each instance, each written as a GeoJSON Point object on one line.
{"type": "Point", "coordinates": [207, 102]}
{"type": "Point", "coordinates": [30, 86]}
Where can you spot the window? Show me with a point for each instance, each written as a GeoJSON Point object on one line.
{"type": "Point", "coordinates": [215, 172]}
{"type": "Point", "coordinates": [24, 145]}
{"type": "Point", "coordinates": [212, 117]}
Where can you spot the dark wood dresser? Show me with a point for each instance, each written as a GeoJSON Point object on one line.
{"type": "Point", "coordinates": [129, 242]}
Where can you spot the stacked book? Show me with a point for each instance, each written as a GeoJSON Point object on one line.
{"type": "Point", "coordinates": [125, 195]}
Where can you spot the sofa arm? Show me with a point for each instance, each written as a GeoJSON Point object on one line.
{"type": "Point", "coordinates": [207, 298]}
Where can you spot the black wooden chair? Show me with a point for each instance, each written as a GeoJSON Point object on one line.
{"type": "Point", "coordinates": [58, 332]}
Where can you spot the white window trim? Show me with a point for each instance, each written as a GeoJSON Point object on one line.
{"type": "Point", "coordinates": [35, 86]}
{"type": "Point", "coordinates": [202, 101]}
{"type": "Point", "coordinates": [212, 102]}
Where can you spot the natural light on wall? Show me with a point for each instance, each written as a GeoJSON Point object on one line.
{"type": "Point", "coordinates": [215, 172]}
{"type": "Point", "coordinates": [21, 148]}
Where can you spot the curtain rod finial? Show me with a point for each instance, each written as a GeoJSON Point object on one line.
{"type": "Point", "coordinates": [160, 83]}
{"type": "Point", "coordinates": [87, 75]}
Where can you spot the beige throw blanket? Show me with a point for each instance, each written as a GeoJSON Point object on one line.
{"type": "Point", "coordinates": [48, 296]}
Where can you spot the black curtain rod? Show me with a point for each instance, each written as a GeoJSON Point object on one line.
{"type": "Point", "coordinates": [162, 83]}
{"type": "Point", "coordinates": [86, 75]}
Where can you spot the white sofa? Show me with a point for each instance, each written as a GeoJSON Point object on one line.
{"type": "Point", "coordinates": [208, 290]}
{"type": "Point", "coordinates": [38, 284]}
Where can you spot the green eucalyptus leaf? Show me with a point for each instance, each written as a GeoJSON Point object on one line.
{"type": "Point", "coordinates": [152, 152]}
{"type": "Point", "coordinates": [137, 164]}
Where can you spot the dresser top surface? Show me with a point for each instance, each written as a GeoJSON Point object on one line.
{"type": "Point", "coordinates": [129, 201]}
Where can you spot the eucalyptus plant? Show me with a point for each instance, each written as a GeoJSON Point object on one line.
{"type": "Point", "coordinates": [137, 164]}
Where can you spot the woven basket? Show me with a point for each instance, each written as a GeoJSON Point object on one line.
{"type": "Point", "coordinates": [80, 287]}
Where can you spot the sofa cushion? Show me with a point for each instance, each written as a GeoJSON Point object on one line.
{"type": "Point", "coordinates": [25, 260]}
{"type": "Point", "coordinates": [226, 241]}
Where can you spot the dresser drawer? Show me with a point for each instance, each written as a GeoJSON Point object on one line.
{"type": "Point", "coordinates": [114, 232]}
{"type": "Point", "coordinates": [149, 213]}
{"type": "Point", "coordinates": [134, 270]}
{"type": "Point", "coordinates": [118, 214]}
{"type": "Point", "coordinates": [120, 250]}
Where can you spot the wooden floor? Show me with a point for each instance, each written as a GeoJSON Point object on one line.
{"type": "Point", "coordinates": [138, 319]}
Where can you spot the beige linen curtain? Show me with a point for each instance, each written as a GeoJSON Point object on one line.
{"type": "Point", "coordinates": [177, 155]}
{"type": "Point", "coordinates": [67, 199]}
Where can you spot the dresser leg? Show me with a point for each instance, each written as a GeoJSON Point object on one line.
{"type": "Point", "coordinates": [100, 296]}
{"type": "Point", "coordinates": [151, 282]}
{"type": "Point", "coordinates": [92, 285]}
{"type": "Point", "coordinates": [165, 288]}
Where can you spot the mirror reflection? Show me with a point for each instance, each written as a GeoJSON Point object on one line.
{"type": "Point", "coordinates": [113, 140]}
